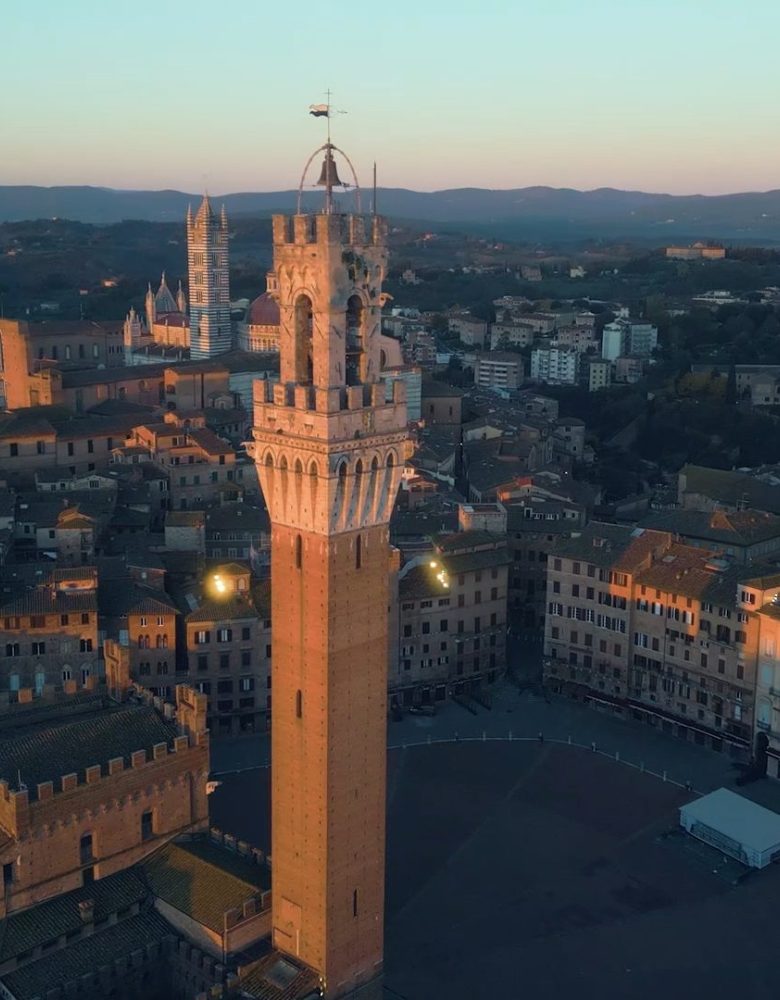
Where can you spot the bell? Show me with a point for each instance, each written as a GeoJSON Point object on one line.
{"type": "Point", "coordinates": [329, 175]}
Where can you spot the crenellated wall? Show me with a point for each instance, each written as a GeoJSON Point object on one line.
{"type": "Point", "coordinates": [330, 460]}
{"type": "Point", "coordinates": [106, 801]}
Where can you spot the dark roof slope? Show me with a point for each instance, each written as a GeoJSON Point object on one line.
{"type": "Point", "coordinates": [614, 546]}
{"type": "Point", "coordinates": [49, 920]}
{"type": "Point", "coordinates": [203, 880]}
{"type": "Point", "coordinates": [214, 610]}
{"type": "Point", "coordinates": [731, 488]}
{"type": "Point", "coordinates": [742, 527]}
{"type": "Point", "coordinates": [45, 753]}
{"type": "Point", "coordinates": [86, 955]}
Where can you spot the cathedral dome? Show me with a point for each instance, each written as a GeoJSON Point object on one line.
{"type": "Point", "coordinates": [164, 301]}
{"type": "Point", "coordinates": [264, 311]}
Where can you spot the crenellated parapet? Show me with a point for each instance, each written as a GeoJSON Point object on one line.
{"type": "Point", "coordinates": [327, 279]}
{"type": "Point", "coordinates": [100, 785]}
{"type": "Point", "coordinates": [329, 460]}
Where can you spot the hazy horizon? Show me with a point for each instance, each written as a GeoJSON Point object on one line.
{"type": "Point", "coordinates": [417, 190]}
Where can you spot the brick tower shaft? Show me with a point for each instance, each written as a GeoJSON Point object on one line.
{"type": "Point", "coordinates": [329, 449]}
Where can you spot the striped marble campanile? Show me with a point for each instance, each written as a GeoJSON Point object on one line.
{"type": "Point", "coordinates": [207, 257]}
{"type": "Point", "coordinates": [329, 449]}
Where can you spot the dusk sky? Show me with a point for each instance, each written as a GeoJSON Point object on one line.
{"type": "Point", "coordinates": [667, 95]}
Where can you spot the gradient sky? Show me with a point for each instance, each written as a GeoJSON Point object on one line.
{"type": "Point", "coordinates": [659, 95]}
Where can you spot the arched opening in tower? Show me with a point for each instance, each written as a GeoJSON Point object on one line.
{"type": "Point", "coordinates": [354, 339]}
{"type": "Point", "coordinates": [304, 341]}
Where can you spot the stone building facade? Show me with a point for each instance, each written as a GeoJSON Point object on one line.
{"type": "Point", "coordinates": [228, 651]}
{"type": "Point", "coordinates": [72, 813]}
{"type": "Point", "coordinates": [655, 628]}
{"type": "Point", "coordinates": [49, 638]}
{"type": "Point", "coordinates": [452, 619]}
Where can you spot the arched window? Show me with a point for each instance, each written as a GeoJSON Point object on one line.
{"type": "Point", "coordinates": [298, 551]}
{"type": "Point", "coordinates": [354, 345]}
{"type": "Point", "coordinates": [40, 682]}
{"type": "Point", "coordinates": [66, 674]}
{"type": "Point", "coordinates": [358, 552]}
{"type": "Point", "coordinates": [341, 486]}
{"type": "Point", "coordinates": [304, 324]}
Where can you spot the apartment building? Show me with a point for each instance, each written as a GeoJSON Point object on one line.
{"type": "Point", "coordinates": [536, 524]}
{"type": "Point", "coordinates": [145, 620]}
{"type": "Point", "coordinates": [441, 403]}
{"type": "Point", "coordinates": [201, 465]}
{"type": "Point", "coordinates": [49, 638]}
{"type": "Point", "coordinates": [452, 616]}
{"type": "Point", "coordinates": [499, 370]}
{"type": "Point", "coordinates": [228, 646]}
{"type": "Point", "coordinates": [471, 332]}
{"type": "Point", "coordinates": [766, 591]}
{"type": "Point", "coordinates": [599, 375]}
{"type": "Point", "coordinates": [555, 365]}
{"type": "Point", "coordinates": [582, 338]}
{"type": "Point", "coordinates": [654, 628]}
{"type": "Point", "coordinates": [512, 334]}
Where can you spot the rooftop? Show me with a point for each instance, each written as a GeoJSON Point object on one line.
{"type": "Point", "coordinates": [742, 527]}
{"type": "Point", "coordinates": [614, 546]}
{"type": "Point", "coordinates": [47, 921]}
{"type": "Point", "coordinates": [432, 389]}
{"type": "Point", "coordinates": [737, 818]}
{"type": "Point", "coordinates": [277, 977]}
{"type": "Point", "coordinates": [83, 957]}
{"type": "Point", "coordinates": [735, 489]}
{"type": "Point", "coordinates": [65, 745]}
{"type": "Point", "coordinates": [204, 880]}
{"type": "Point", "coordinates": [214, 610]}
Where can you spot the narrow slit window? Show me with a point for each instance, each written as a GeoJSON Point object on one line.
{"type": "Point", "coordinates": [299, 704]}
{"type": "Point", "coordinates": [298, 551]}
{"type": "Point", "coordinates": [359, 552]}
{"type": "Point", "coordinates": [354, 904]}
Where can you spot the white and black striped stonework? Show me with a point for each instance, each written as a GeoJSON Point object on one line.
{"type": "Point", "coordinates": [207, 255]}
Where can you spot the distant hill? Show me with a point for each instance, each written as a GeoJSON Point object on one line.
{"type": "Point", "coordinates": [534, 211]}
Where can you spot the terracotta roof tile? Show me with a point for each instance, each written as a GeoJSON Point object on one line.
{"type": "Point", "coordinates": [203, 880]}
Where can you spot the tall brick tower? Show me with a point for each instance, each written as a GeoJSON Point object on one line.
{"type": "Point", "coordinates": [329, 450]}
{"type": "Point", "coordinates": [207, 258]}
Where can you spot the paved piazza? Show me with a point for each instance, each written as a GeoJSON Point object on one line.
{"type": "Point", "coordinates": [542, 871]}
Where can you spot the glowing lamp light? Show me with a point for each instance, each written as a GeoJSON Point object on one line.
{"type": "Point", "coordinates": [219, 584]}
{"type": "Point", "coordinates": [433, 564]}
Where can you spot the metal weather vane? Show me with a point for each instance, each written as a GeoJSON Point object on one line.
{"type": "Point", "coordinates": [325, 110]}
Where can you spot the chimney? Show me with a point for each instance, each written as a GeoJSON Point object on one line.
{"type": "Point", "coordinates": [87, 911]}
